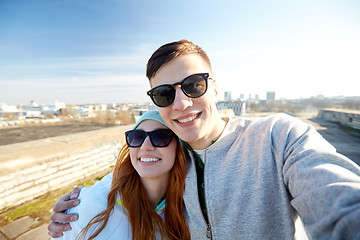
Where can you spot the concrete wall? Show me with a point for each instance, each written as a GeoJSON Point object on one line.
{"type": "Point", "coordinates": [345, 117]}
{"type": "Point", "coordinates": [30, 169]}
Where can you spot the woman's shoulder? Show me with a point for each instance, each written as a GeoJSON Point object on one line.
{"type": "Point", "coordinates": [93, 200]}
{"type": "Point", "coordinates": [96, 195]}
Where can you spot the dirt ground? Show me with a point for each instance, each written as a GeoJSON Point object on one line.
{"type": "Point", "coordinates": [345, 140]}
{"type": "Point", "coordinates": [31, 133]}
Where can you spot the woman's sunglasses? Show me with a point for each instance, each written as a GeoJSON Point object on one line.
{"type": "Point", "coordinates": [158, 137]}
{"type": "Point", "coordinates": [193, 86]}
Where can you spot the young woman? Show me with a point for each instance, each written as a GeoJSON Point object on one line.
{"type": "Point", "coordinates": [144, 198]}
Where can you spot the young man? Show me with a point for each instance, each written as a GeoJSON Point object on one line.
{"type": "Point", "coordinates": [246, 178]}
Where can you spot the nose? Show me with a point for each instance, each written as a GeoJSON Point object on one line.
{"type": "Point", "coordinates": [181, 101]}
{"type": "Point", "coordinates": [147, 145]}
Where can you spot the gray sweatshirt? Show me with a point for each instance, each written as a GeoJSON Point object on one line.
{"type": "Point", "coordinates": [263, 173]}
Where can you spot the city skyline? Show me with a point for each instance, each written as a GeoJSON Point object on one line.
{"type": "Point", "coordinates": [242, 97]}
{"type": "Point", "coordinates": [82, 52]}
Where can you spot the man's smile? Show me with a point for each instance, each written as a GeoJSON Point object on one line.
{"type": "Point", "coordinates": [188, 119]}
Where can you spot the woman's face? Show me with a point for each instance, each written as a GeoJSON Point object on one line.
{"type": "Point", "coordinates": [153, 162]}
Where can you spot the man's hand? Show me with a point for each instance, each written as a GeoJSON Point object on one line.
{"type": "Point", "coordinates": [59, 219]}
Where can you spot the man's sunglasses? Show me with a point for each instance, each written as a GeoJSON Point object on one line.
{"type": "Point", "coordinates": [158, 137]}
{"type": "Point", "coordinates": [193, 86]}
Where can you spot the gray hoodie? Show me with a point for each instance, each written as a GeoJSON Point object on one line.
{"type": "Point", "coordinates": [263, 173]}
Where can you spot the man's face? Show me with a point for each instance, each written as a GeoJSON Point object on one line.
{"type": "Point", "coordinates": [194, 120]}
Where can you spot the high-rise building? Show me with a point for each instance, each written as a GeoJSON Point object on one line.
{"type": "Point", "coordinates": [270, 96]}
{"type": "Point", "coordinates": [227, 96]}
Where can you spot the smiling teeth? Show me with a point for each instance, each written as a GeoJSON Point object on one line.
{"type": "Point", "coordinates": [189, 119]}
{"type": "Point", "coordinates": [149, 159]}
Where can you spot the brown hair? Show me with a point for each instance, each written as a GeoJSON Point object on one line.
{"type": "Point", "coordinates": [170, 51]}
{"type": "Point", "coordinates": [142, 217]}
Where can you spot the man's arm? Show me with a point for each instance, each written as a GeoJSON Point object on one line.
{"type": "Point", "coordinates": [324, 185]}
{"type": "Point", "coordinates": [59, 219]}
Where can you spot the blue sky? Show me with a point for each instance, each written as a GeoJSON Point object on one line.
{"type": "Point", "coordinates": [87, 51]}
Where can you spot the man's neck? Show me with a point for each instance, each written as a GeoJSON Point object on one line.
{"type": "Point", "coordinates": [211, 138]}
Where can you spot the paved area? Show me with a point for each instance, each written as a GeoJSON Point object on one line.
{"type": "Point", "coordinates": [25, 228]}
{"type": "Point", "coordinates": [345, 140]}
{"type": "Point", "coordinates": [39, 233]}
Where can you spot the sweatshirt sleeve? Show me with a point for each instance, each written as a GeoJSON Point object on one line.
{"type": "Point", "coordinates": [92, 201]}
{"type": "Point", "coordinates": [324, 185]}
{"type": "Point", "coordinates": [71, 234]}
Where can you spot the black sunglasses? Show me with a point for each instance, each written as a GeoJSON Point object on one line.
{"type": "Point", "coordinates": [193, 86]}
{"type": "Point", "coordinates": [158, 137]}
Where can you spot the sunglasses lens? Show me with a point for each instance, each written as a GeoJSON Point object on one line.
{"type": "Point", "coordinates": [161, 137]}
{"type": "Point", "coordinates": [163, 95]}
{"type": "Point", "coordinates": [135, 138]}
{"type": "Point", "coordinates": [158, 138]}
{"type": "Point", "coordinates": [194, 86]}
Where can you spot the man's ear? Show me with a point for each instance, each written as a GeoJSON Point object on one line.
{"type": "Point", "coordinates": [215, 87]}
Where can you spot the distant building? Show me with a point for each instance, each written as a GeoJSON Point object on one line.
{"type": "Point", "coordinates": [53, 108]}
{"type": "Point", "coordinates": [239, 107]}
{"type": "Point", "coordinates": [138, 112]}
{"type": "Point", "coordinates": [4, 108]}
{"type": "Point", "coordinates": [86, 111]}
{"type": "Point", "coordinates": [270, 96]}
{"type": "Point", "coordinates": [252, 99]}
{"type": "Point", "coordinates": [227, 96]}
{"type": "Point", "coordinates": [33, 110]}
{"type": "Point", "coordinates": [242, 97]}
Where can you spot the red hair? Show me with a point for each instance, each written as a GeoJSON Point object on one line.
{"type": "Point", "coordinates": [141, 215]}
